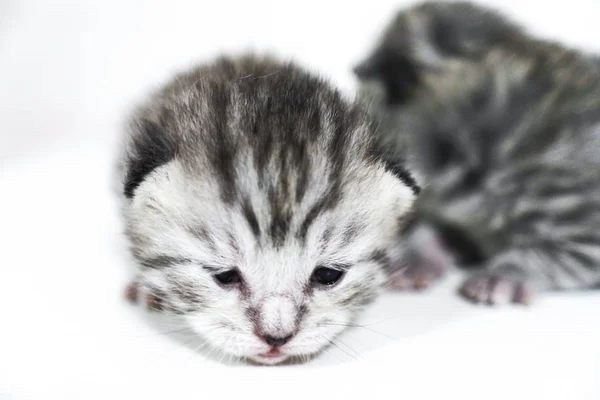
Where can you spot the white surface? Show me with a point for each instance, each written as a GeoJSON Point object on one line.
{"type": "Point", "coordinates": [68, 72]}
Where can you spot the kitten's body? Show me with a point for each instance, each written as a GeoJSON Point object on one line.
{"type": "Point", "coordinates": [505, 131]}
{"type": "Point", "coordinates": [256, 207]}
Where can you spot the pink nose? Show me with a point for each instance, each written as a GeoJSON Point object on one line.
{"type": "Point", "coordinates": [276, 341]}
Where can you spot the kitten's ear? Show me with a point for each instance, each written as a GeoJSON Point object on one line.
{"type": "Point", "coordinates": [399, 170]}
{"type": "Point", "coordinates": [395, 71]}
{"type": "Point", "coordinates": [149, 148]}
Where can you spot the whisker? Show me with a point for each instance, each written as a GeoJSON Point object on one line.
{"type": "Point", "coordinates": [342, 350]}
{"type": "Point", "coordinates": [348, 347]}
{"type": "Point", "coordinates": [325, 349]}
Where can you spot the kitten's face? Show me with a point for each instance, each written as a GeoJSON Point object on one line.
{"type": "Point", "coordinates": [251, 284]}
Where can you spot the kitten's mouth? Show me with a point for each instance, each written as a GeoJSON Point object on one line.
{"type": "Point", "coordinates": [272, 357]}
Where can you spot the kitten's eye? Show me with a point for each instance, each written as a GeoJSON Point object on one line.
{"type": "Point", "coordinates": [326, 276]}
{"type": "Point", "coordinates": [230, 277]}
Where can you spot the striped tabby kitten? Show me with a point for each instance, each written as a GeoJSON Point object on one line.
{"type": "Point", "coordinates": [505, 131]}
{"type": "Point", "coordinates": [256, 207]}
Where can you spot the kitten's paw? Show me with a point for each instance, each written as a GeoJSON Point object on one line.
{"type": "Point", "coordinates": [420, 275]}
{"type": "Point", "coordinates": [493, 288]}
{"type": "Point", "coordinates": [135, 294]}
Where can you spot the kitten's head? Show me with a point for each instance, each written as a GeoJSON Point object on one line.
{"type": "Point", "coordinates": [257, 208]}
{"type": "Point", "coordinates": [427, 37]}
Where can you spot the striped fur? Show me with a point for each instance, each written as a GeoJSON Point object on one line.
{"type": "Point", "coordinates": [504, 130]}
{"type": "Point", "coordinates": [257, 166]}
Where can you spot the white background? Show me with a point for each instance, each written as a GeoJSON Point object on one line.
{"type": "Point", "coordinates": [69, 71]}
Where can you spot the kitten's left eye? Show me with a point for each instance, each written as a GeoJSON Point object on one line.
{"type": "Point", "coordinates": [230, 277]}
{"type": "Point", "coordinates": [326, 276]}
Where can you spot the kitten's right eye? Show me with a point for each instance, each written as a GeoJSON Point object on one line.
{"type": "Point", "coordinates": [228, 278]}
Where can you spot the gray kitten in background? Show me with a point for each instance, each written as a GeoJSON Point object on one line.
{"type": "Point", "coordinates": [257, 207]}
{"type": "Point", "coordinates": [504, 132]}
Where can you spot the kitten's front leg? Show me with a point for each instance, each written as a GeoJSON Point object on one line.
{"type": "Point", "coordinates": [516, 275]}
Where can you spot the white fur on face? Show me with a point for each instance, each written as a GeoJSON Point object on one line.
{"type": "Point", "coordinates": [193, 235]}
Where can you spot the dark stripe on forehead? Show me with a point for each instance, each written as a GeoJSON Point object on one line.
{"type": "Point", "coordinates": [351, 231]}
{"type": "Point", "coordinates": [221, 145]}
{"type": "Point", "coordinates": [302, 179]}
{"type": "Point", "coordinates": [307, 133]}
{"type": "Point", "coordinates": [333, 194]}
{"type": "Point", "coordinates": [313, 122]}
{"type": "Point", "coordinates": [280, 217]}
{"type": "Point", "coordinates": [261, 139]}
{"type": "Point", "coordinates": [344, 125]}
{"type": "Point", "coordinates": [313, 213]}
{"type": "Point", "coordinates": [250, 216]}
{"type": "Point", "coordinates": [342, 129]}
{"type": "Point", "coordinates": [201, 233]}
{"type": "Point", "coordinates": [284, 117]}
{"type": "Point", "coordinates": [325, 238]}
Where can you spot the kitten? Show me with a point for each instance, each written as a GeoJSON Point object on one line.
{"type": "Point", "coordinates": [256, 207]}
{"type": "Point", "coordinates": [504, 131]}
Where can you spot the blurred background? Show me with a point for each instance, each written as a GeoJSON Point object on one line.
{"type": "Point", "coordinates": [71, 68]}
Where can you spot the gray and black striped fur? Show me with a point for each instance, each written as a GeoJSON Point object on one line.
{"type": "Point", "coordinates": [243, 176]}
{"type": "Point", "coordinates": [504, 130]}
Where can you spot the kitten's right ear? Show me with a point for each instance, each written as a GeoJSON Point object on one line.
{"type": "Point", "coordinates": [150, 147]}
{"type": "Point", "coordinates": [396, 72]}
{"type": "Point", "coordinates": [401, 172]}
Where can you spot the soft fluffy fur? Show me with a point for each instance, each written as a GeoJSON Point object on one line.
{"type": "Point", "coordinates": [505, 131]}
{"type": "Point", "coordinates": [255, 165]}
